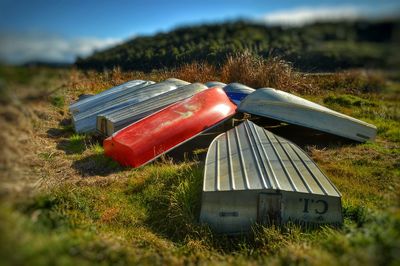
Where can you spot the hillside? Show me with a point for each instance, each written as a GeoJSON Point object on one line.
{"type": "Point", "coordinates": [318, 47]}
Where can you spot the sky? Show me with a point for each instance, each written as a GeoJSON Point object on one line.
{"type": "Point", "coordinates": [61, 30]}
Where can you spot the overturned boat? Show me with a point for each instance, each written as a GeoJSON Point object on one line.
{"type": "Point", "coordinates": [112, 121]}
{"type": "Point", "coordinates": [85, 103]}
{"type": "Point", "coordinates": [85, 122]}
{"type": "Point", "coordinates": [253, 176]}
{"type": "Point", "coordinates": [212, 84]}
{"type": "Point", "coordinates": [147, 139]}
{"type": "Point", "coordinates": [237, 92]}
{"type": "Point", "coordinates": [286, 107]}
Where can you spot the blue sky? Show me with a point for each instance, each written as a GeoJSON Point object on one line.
{"type": "Point", "coordinates": [61, 30]}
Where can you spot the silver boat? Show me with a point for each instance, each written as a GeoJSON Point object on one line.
{"type": "Point", "coordinates": [253, 176]}
{"type": "Point", "coordinates": [112, 121]}
{"type": "Point", "coordinates": [85, 122]}
{"type": "Point", "coordinates": [86, 103]}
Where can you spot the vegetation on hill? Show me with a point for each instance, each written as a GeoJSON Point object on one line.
{"type": "Point", "coordinates": [62, 202]}
{"type": "Point", "coordinates": [316, 47]}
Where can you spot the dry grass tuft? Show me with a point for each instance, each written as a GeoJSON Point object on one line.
{"type": "Point", "coordinates": [258, 72]}
{"type": "Point", "coordinates": [196, 72]}
{"type": "Point", "coordinates": [245, 67]}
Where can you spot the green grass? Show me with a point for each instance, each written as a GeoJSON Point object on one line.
{"type": "Point", "coordinates": [76, 143]}
{"type": "Point", "coordinates": [383, 113]}
{"type": "Point", "coordinates": [58, 101]}
{"type": "Point", "coordinates": [151, 217]}
{"type": "Point", "coordinates": [348, 101]}
{"type": "Point", "coordinates": [97, 212]}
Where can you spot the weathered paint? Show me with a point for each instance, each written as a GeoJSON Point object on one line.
{"type": "Point", "coordinates": [112, 121]}
{"type": "Point", "coordinates": [237, 92]}
{"type": "Point", "coordinates": [85, 122]}
{"type": "Point", "coordinates": [145, 140]}
{"type": "Point", "coordinates": [252, 175]}
{"type": "Point", "coordinates": [292, 109]}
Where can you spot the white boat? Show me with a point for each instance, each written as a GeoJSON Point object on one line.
{"type": "Point", "coordinates": [253, 176]}
{"type": "Point", "coordinates": [112, 121]}
{"type": "Point", "coordinates": [85, 103]}
{"type": "Point", "coordinates": [85, 122]}
{"type": "Point", "coordinates": [288, 108]}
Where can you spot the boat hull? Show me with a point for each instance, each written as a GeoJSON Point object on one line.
{"type": "Point", "coordinates": [86, 122]}
{"type": "Point", "coordinates": [237, 92]}
{"type": "Point", "coordinates": [84, 104]}
{"type": "Point", "coordinates": [252, 175]}
{"type": "Point", "coordinates": [110, 122]}
{"type": "Point", "coordinates": [161, 132]}
{"type": "Point", "coordinates": [212, 84]}
{"type": "Point", "coordinates": [291, 109]}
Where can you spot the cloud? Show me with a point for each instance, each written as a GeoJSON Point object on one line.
{"type": "Point", "coordinates": [20, 48]}
{"type": "Point", "coordinates": [305, 15]}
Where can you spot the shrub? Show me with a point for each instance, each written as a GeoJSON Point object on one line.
{"type": "Point", "coordinates": [258, 72]}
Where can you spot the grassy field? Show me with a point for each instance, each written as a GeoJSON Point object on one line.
{"type": "Point", "coordinates": [63, 202]}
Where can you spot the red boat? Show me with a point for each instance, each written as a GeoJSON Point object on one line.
{"type": "Point", "coordinates": [161, 132]}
